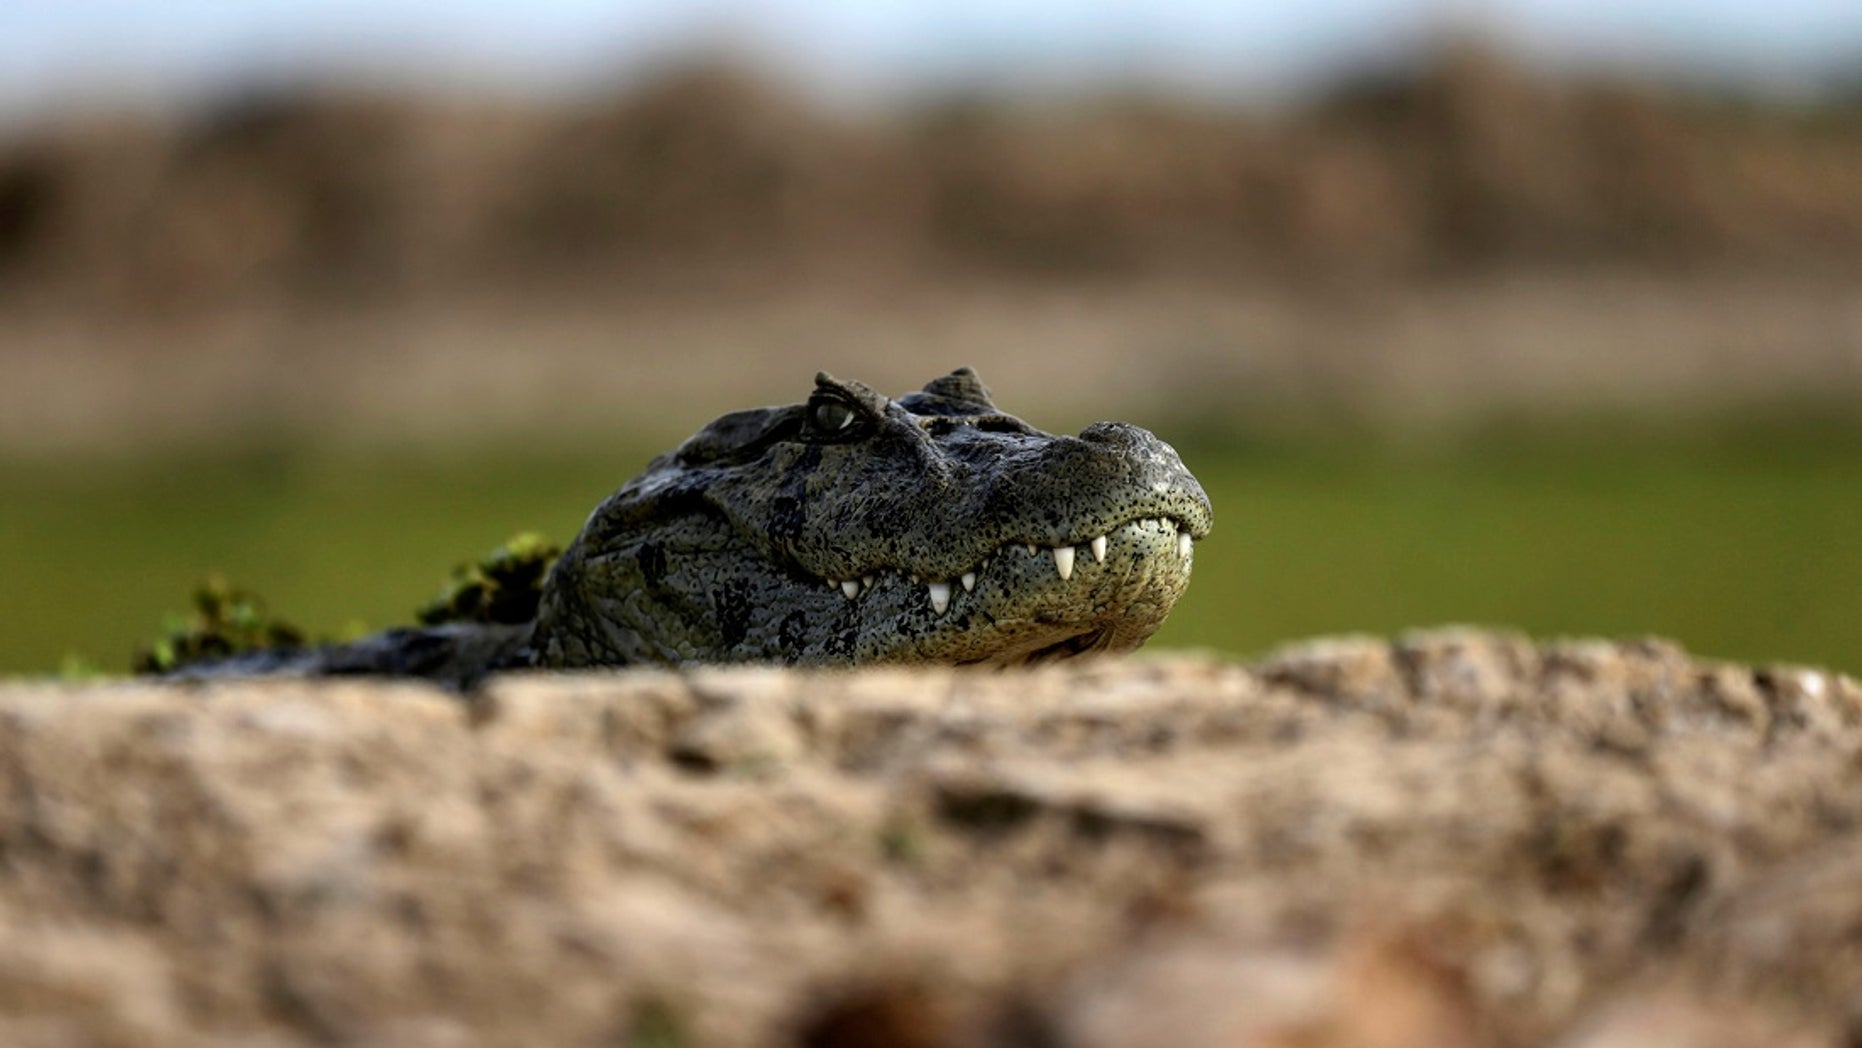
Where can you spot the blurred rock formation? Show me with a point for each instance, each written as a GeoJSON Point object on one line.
{"type": "Point", "coordinates": [713, 174]}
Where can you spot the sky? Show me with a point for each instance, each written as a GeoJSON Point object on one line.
{"type": "Point", "coordinates": [55, 52]}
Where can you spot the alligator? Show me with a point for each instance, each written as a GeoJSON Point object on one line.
{"type": "Point", "coordinates": [849, 529]}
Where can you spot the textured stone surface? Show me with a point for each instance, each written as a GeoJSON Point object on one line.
{"type": "Point", "coordinates": [1459, 838]}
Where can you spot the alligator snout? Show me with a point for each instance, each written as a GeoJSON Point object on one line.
{"type": "Point", "coordinates": [1123, 433]}
{"type": "Point", "coordinates": [1115, 472]}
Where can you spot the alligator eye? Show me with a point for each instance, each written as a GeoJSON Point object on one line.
{"type": "Point", "coordinates": [830, 416]}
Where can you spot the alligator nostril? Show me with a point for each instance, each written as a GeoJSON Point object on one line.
{"type": "Point", "coordinates": [1116, 433]}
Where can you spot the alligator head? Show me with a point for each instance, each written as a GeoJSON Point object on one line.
{"type": "Point", "coordinates": [853, 528]}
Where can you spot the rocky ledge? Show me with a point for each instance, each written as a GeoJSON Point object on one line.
{"type": "Point", "coordinates": [1457, 839]}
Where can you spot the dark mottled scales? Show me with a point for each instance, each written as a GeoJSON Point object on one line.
{"type": "Point", "coordinates": [652, 563]}
{"type": "Point", "coordinates": [838, 532]}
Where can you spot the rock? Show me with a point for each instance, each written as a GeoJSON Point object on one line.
{"type": "Point", "coordinates": [1459, 838]}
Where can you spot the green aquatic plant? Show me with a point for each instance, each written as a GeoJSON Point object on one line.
{"type": "Point", "coordinates": [226, 620]}
{"type": "Point", "coordinates": [503, 587]}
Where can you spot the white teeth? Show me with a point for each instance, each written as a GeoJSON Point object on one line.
{"type": "Point", "coordinates": [1064, 559]}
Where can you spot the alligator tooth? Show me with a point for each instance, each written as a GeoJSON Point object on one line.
{"type": "Point", "coordinates": [968, 580]}
{"type": "Point", "coordinates": [1063, 561]}
{"type": "Point", "coordinates": [1183, 544]}
{"type": "Point", "coordinates": [1030, 549]}
{"type": "Point", "coordinates": [851, 588]}
{"type": "Point", "coordinates": [940, 596]}
{"type": "Point", "coordinates": [867, 581]}
{"type": "Point", "coordinates": [1099, 549]}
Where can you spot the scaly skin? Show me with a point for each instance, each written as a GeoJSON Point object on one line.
{"type": "Point", "coordinates": [829, 533]}
{"type": "Point", "coordinates": [848, 530]}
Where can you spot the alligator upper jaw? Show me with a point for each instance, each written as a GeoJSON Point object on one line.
{"type": "Point", "coordinates": [1168, 532]}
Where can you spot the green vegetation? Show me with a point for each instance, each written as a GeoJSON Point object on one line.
{"type": "Point", "coordinates": [226, 621]}
{"type": "Point", "coordinates": [505, 586]}
{"type": "Point", "coordinates": [1740, 541]}
{"type": "Point", "coordinates": [97, 556]}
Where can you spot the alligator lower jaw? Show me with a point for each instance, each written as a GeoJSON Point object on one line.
{"type": "Point", "coordinates": [1024, 605]}
{"type": "Point", "coordinates": [1082, 644]}
{"type": "Point", "coordinates": [1064, 559]}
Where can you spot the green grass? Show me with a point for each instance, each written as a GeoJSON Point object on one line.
{"type": "Point", "coordinates": [1740, 542]}
{"type": "Point", "coordinates": [1743, 545]}
{"type": "Point", "coordinates": [94, 555]}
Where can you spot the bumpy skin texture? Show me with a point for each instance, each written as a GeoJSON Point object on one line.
{"type": "Point", "coordinates": [847, 530]}
{"type": "Point", "coordinates": [856, 529]}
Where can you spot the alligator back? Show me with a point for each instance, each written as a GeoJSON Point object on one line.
{"type": "Point", "coordinates": [457, 655]}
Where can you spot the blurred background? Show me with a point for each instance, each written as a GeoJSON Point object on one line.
{"type": "Point", "coordinates": [1522, 312]}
